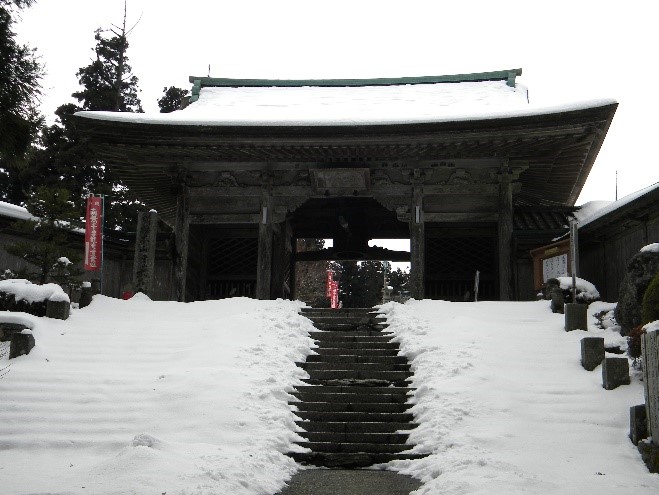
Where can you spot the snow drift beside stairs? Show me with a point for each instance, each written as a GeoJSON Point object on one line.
{"type": "Point", "coordinates": [140, 397]}
{"type": "Point", "coordinates": [505, 407]}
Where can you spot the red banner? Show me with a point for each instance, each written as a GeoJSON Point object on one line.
{"type": "Point", "coordinates": [94, 234]}
{"type": "Point", "coordinates": [328, 284]}
{"type": "Point", "coordinates": [334, 300]}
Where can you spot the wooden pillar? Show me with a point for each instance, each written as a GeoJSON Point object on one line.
{"type": "Point", "coordinates": [417, 245]}
{"type": "Point", "coordinates": [505, 234]}
{"type": "Point", "coordinates": [181, 234]}
{"type": "Point", "coordinates": [281, 260]}
{"type": "Point", "coordinates": [264, 266]}
{"type": "Point", "coordinates": [145, 252]}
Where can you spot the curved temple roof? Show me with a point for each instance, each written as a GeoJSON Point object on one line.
{"type": "Point", "coordinates": [416, 121]}
{"type": "Point", "coordinates": [348, 102]}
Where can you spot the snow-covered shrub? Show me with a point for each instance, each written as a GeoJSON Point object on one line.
{"type": "Point", "coordinates": [634, 345]}
{"type": "Point", "coordinates": [650, 308]}
{"type": "Point", "coordinates": [24, 296]}
{"type": "Point", "coordinates": [586, 291]}
{"type": "Point", "coordinates": [607, 319]}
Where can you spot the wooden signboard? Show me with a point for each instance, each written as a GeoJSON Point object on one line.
{"type": "Point", "coordinates": [550, 262]}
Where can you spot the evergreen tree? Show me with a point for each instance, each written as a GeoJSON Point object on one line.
{"type": "Point", "coordinates": [171, 99]}
{"type": "Point", "coordinates": [20, 74]}
{"type": "Point", "coordinates": [47, 235]}
{"type": "Point", "coordinates": [360, 283]}
{"type": "Point", "coordinates": [399, 282]}
{"type": "Point", "coordinates": [64, 159]}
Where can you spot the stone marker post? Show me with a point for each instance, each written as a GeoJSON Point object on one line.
{"type": "Point", "coordinates": [615, 372]}
{"type": "Point", "coordinates": [145, 252]}
{"type": "Point", "coordinates": [576, 317]}
{"type": "Point", "coordinates": [592, 352]}
{"type": "Point", "coordinates": [21, 344]}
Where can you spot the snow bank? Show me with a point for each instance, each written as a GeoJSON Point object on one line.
{"type": "Point", "coordinates": [24, 290]}
{"type": "Point", "coordinates": [504, 405]}
{"type": "Point", "coordinates": [141, 396]}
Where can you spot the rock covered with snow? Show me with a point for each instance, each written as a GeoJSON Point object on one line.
{"type": "Point", "coordinates": [642, 268]}
{"type": "Point", "coordinates": [24, 290]}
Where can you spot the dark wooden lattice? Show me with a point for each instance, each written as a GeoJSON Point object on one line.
{"type": "Point", "coordinates": [451, 264]}
{"type": "Point", "coordinates": [231, 266]}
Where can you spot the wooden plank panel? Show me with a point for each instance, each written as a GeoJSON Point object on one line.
{"type": "Point", "coordinates": [650, 350]}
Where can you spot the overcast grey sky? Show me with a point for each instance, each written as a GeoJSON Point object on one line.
{"type": "Point", "coordinates": [569, 51]}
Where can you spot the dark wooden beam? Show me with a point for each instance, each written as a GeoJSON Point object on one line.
{"type": "Point", "coordinates": [264, 266]}
{"type": "Point", "coordinates": [181, 233]}
{"type": "Point", "coordinates": [505, 232]}
{"type": "Point", "coordinates": [417, 245]}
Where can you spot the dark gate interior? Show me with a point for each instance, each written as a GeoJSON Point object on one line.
{"type": "Point", "coordinates": [453, 254]}
{"type": "Point", "coordinates": [230, 256]}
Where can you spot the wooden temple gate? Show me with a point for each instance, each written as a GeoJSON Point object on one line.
{"type": "Point", "coordinates": [237, 196]}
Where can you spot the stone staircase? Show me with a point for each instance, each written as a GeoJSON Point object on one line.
{"type": "Point", "coordinates": [353, 408]}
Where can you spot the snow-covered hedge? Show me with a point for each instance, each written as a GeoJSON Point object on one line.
{"type": "Point", "coordinates": [23, 295]}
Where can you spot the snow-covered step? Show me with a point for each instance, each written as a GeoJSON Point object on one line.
{"type": "Point", "coordinates": [362, 345]}
{"type": "Point", "coordinates": [390, 376]}
{"type": "Point", "coordinates": [366, 417]}
{"type": "Point", "coordinates": [328, 334]}
{"type": "Point", "coordinates": [361, 390]}
{"type": "Point", "coordinates": [333, 447]}
{"type": "Point", "coordinates": [353, 366]}
{"type": "Point", "coordinates": [382, 398]}
{"type": "Point", "coordinates": [368, 407]}
{"type": "Point", "coordinates": [356, 427]}
{"type": "Point", "coordinates": [391, 350]}
{"type": "Point", "coordinates": [355, 358]}
{"type": "Point", "coordinates": [350, 460]}
{"type": "Point", "coordinates": [370, 438]}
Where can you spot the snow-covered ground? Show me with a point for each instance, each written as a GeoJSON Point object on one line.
{"type": "Point", "coordinates": [505, 406]}
{"type": "Point", "coordinates": [141, 397]}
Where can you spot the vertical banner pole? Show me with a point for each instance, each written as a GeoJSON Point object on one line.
{"type": "Point", "coordinates": [102, 238]}
{"type": "Point", "coordinates": [94, 236]}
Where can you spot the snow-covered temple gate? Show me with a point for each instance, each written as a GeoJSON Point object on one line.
{"type": "Point", "coordinates": [251, 165]}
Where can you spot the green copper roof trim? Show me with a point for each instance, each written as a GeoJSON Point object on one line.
{"type": "Point", "coordinates": [213, 82]}
{"type": "Point", "coordinates": [196, 87]}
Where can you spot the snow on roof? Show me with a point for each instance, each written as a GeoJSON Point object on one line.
{"type": "Point", "coordinates": [587, 210]}
{"type": "Point", "coordinates": [13, 211]}
{"type": "Point", "coordinates": [593, 213]}
{"type": "Point", "coordinates": [342, 105]}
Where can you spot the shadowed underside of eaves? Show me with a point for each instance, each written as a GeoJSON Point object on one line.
{"type": "Point", "coordinates": [557, 149]}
